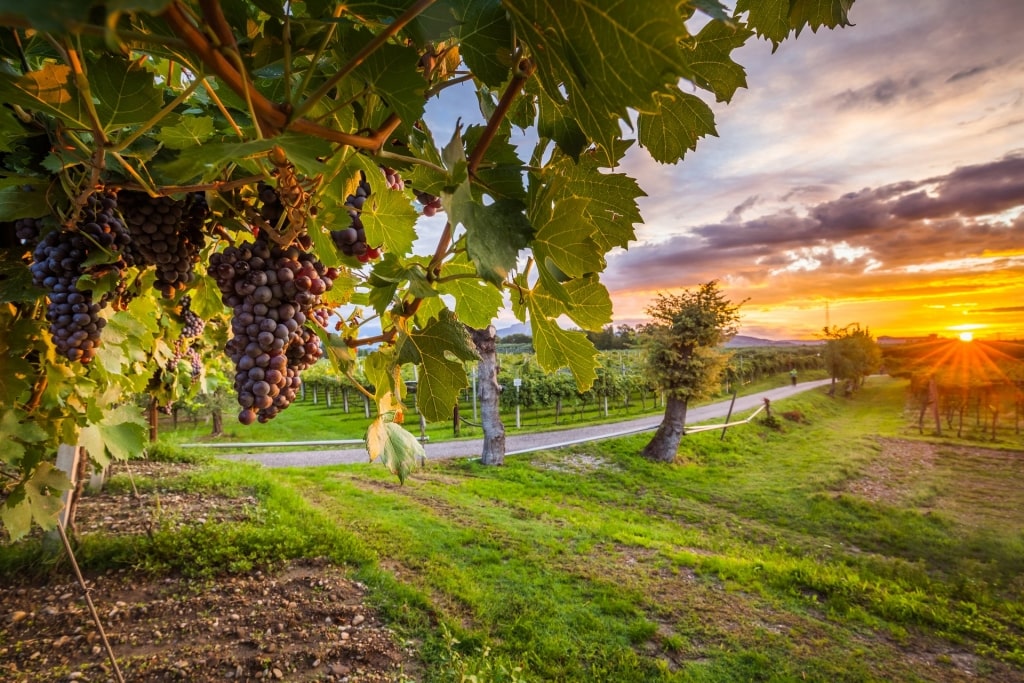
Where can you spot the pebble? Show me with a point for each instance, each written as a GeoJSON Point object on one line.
{"type": "Point", "coordinates": [358, 619]}
{"type": "Point", "coordinates": [18, 616]}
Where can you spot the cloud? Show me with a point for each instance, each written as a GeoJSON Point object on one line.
{"type": "Point", "coordinates": [941, 224]}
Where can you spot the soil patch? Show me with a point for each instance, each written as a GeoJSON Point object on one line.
{"type": "Point", "coordinates": [305, 622]}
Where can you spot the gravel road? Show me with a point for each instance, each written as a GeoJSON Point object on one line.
{"type": "Point", "coordinates": [524, 443]}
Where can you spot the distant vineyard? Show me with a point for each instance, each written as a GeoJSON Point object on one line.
{"type": "Point", "coordinates": [971, 389]}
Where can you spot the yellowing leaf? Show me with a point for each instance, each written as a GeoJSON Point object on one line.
{"type": "Point", "coordinates": [397, 449]}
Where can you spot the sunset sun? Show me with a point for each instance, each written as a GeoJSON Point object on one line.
{"type": "Point", "coordinates": [966, 336]}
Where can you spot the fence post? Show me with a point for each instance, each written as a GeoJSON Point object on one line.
{"type": "Point", "coordinates": [728, 415]}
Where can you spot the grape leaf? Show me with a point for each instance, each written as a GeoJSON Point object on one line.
{"type": "Point", "coordinates": [34, 499]}
{"type": "Point", "coordinates": [494, 236]}
{"type": "Point", "coordinates": [389, 220]}
{"type": "Point", "coordinates": [484, 39]}
{"type": "Point", "coordinates": [558, 348]}
{"type": "Point", "coordinates": [591, 306]}
{"type": "Point", "coordinates": [476, 303]}
{"type": "Point", "coordinates": [206, 301]}
{"type": "Point", "coordinates": [391, 72]}
{"type": "Point", "coordinates": [440, 377]}
{"type": "Point", "coordinates": [121, 435]}
{"type": "Point", "coordinates": [23, 198]}
{"type": "Point", "coordinates": [768, 18]}
{"type": "Point", "coordinates": [818, 13]}
{"type": "Point", "coordinates": [623, 51]}
{"type": "Point", "coordinates": [124, 92]}
{"type": "Point", "coordinates": [680, 120]}
{"type": "Point", "coordinates": [564, 236]}
{"type": "Point", "coordinates": [50, 90]}
{"type": "Point", "coordinates": [613, 208]}
{"type": "Point", "coordinates": [11, 131]}
{"type": "Point", "coordinates": [708, 62]}
{"type": "Point", "coordinates": [15, 279]}
{"type": "Point", "coordinates": [397, 449]}
{"type": "Point", "coordinates": [188, 132]}
{"type": "Point", "coordinates": [209, 160]}
{"type": "Point", "coordinates": [18, 429]}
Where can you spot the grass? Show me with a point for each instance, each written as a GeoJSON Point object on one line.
{"type": "Point", "coordinates": [838, 548]}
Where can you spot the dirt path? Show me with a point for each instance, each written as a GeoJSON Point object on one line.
{"type": "Point", "coordinates": [524, 443]}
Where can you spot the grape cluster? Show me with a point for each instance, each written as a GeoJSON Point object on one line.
{"type": "Point", "coordinates": [196, 363]}
{"type": "Point", "coordinates": [352, 240]}
{"type": "Point", "coordinates": [431, 204]}
{"type": "Point", "coordinates": [272, 292]}
{"type": "Point", "coordinates": [27, 230]}
{"type": "Point", "coordinates": [191, 327]}
{"type": "Point", "coordinates": [166, 233]}
{"type": "Point", "coordinates": [58, 263]}
{"type": "Point", "coordinates": [271, 206]}
{"type": "Point", "coordinates": [392, 178]}
{"type": "Point", "coordinates": [191, 324]}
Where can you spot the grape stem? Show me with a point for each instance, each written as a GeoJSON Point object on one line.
{"type": "Point", "coordinates": [271, 118]}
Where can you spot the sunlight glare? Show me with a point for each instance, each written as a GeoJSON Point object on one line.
{"type": "Point", "coordinates": [966, 336]}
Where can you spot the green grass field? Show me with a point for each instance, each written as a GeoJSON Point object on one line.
{"type": "Point", "coordinates": [840, 546]}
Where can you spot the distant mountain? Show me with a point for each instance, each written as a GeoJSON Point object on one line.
{"type": "Point", "coordinates": [518, 328]}
{"type": "Point", "coordinates": [743, 341]}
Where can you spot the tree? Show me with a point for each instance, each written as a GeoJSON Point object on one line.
{"type": "Point", "coordinates": [851, 354]}
{"type": "Point", "coordinates": [273, 160]}
{"type": "Point", "coordinates": [683, 358]}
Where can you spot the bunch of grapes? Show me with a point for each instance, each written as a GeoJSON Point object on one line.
{"type": "Point", "coordinates": [431, 204]}
{"type": "Point", "coordinates": [166, 233]}
{"type": "Point", "coordinates": [392, 178]}
{"type": "Point", "coordinates": [191, 327]}
{"type": "Point", "coordinates": [272, 292]}
{"type": "Point", "coordinates": [271, 206]}
{"type": "Point", "coordinates": [27, 230]}
{"type": "Point", "coordinates": [58, 263]}
{"type": "Point", "coordinates": [196, 363]}
{"type": "Point", "coordinates": [352, 240]}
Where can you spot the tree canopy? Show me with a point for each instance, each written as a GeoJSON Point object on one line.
{"type": "Point", "coordinates": [683, 356]}
{"type": "Point", "coordinates": [273, 137]}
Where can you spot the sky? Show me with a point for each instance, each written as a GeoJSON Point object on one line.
{"type": "Point", "coordinates": [872, 174]}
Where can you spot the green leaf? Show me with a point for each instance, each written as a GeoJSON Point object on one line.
{"type": "Point", "coordinates": [190, 131]}
{"type": "Point", "coordinates": [389, 220]}
{"type": "Point", "coordinates": [50, 90]}
{"type": "Point", "coordinates": [11, 130]}
{"type": "Point", "coordinates": [16, 279]}
{"type": "Point", "coordinates": [607, 56]}
{"type": "Point", "coordinates": [391, 72]}
{"type": "Point", "coordinates": [35, 499]}
{"type": "Point", "coordinates": [206, 302]}
{"type": "Point", "coordinates": [23, 198]}
{"type": "Point", "coordinates": [16, 374]}
{"type": "Point", "coordinates": [557, 348]}
{"type": "Point", "coordinates": [51, 15]}
{"type": "Point", "coordinates": [485, 35]}
{"type": "Point", "coordinates": [502, 173]}
{"type": "Point", "coordinates": [120, 435]}
{"type": "Point", "coordinates": [125, 93]}
{"type": "Point", "coordinates": [613, 207]}
{"type": "Point", "coordinates": [209, 160]}
{"type": "Point", "coordinates": [675, 127]}
{"type": "Point", "coordinates": [476, 303]}
{"type": "Point", "coordinates": [818, 13]}
{"type": "Point", "coordinates": [494, 236]}
{"type": "Point", "coordinates": [591, 306]}
{"type": "Point", "coordinates": [441, 377]}
{"type": "Point", "coordinates": [710, 66]}
{"type": "Point", "coordinates": [768, 18]}
{"type": "Point", "coordinates": [18, 429]}
{"type": "Point", "coordinates": [397, 449]}
{"type": "Point", "coordinates": [564, 236]}
{"type": "Point", "coordinates": [555, 122]}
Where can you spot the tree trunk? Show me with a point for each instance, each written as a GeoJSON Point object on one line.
{"type": "Point", "coordinates": [489, 393]}
{"type": "Point", "coordinates": [218, 422]}
{"type": "Point", "coordinates": [665, 444]}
